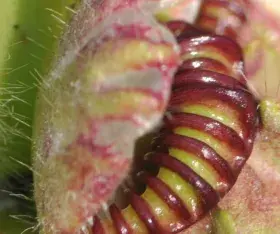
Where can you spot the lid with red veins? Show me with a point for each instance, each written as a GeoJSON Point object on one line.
{"type": "Point", "coordinates": [101, 95]}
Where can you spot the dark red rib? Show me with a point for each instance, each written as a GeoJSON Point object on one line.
{"type": "Point", "coordinates": [204, 64]}
{"type": "Point", "coordinates": [207, 194]}
{"type": "Point", "coordinates": [182, 30]}
{"type": "Point", "coordinates": [227, 47]}
{"type": "Point", "coordinates": [237, 99]}
{"type": "Point", "coordinates": [119, 222]}
{"type": "Point", "coordinates": [97, 226]}
{"type": "Point", "coordinates": [165, 193]}
{"type": "Point", "coordinates": [184, 78]}
{"type": "Point", "coordinates": [203, 151]}
{"type": "Point", "coordinates": [144, 212]}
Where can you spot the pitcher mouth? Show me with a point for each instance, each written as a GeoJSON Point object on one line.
{"type": "Point", "coordinates": [214, 126]}
{"type": "Point", "coordinates": [204, 153]}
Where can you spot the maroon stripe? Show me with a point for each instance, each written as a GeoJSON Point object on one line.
{"type": "Point", "coordinates": [205, 64]}
{"type": "Point", "coordinates": [144, 212]}
{"type": "Point", "coordinates": [206, 77]}
{"type": "Point", "coordinates": [97, 226]}
{"type": "Point", "coordinates": [230, 32]}
{"type": "Point", "coordinates": [227, 47]}
{"type": "Point", "coordinates": [203, 151]}
{"type": "Point", "coordinates": [241, 100]}
{"type": "Point", "coordinates": [121, 225]}
{"type": "Point", "coordinates": [183, 30]}
{"type": "Point", "coordinates": [211, 127]}
{"type": "Point", "coordinates": [165, 193]}
{"type": "Point", "coordinates": [208, 195]}
{"type": "Point", "coordinates": [201, 92]}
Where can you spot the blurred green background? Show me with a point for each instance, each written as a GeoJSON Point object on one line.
{"type": "Point", "coordinates": [29, 32]}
